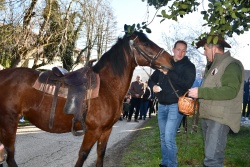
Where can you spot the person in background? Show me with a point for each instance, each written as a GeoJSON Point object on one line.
{"type": "Point", "coordinates": [198, 81]}
{"type": "Point", "coordinates": [136, 90]}
{"type": "Point", "coordinates": [145, 101]}
{"type": "Point", "coordinates": [126, 106]}
{"type": "Point", "coordinates": [246, 101]}
{"type": "Point", "coordinates": [169, 118]}
{"type": "Point", "coordinates": [220, 98]}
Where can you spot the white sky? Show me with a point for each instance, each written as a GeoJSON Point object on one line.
{"type": "Point", "coordinates": [135, 11]}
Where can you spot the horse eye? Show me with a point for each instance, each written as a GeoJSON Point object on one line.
{"type": "Point", "coordinates": [146, 44]}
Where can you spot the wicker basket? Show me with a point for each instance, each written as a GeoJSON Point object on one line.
{"type": "Point", "coordinates": [187, 105]}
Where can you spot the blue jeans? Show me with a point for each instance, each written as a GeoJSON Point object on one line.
{"type": "Point", "coordinates": [143, 108]}
{"type": "Point", "coordinates": [215, 138]}
{"type": "Point", "coordinates": [169, 119]}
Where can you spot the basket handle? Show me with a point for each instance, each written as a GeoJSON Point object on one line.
{"type": "Point", "coordinates": [185, 93]}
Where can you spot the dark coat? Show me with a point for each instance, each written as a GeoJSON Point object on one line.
{"type": "Point", "coordinates": [182, 78]}
{"type": "Point", "coordinates": [147, 94]}
{"type": "Point", "coordinates": [246, 92]}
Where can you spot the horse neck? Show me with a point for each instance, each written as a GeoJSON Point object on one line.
{"type": "Point", "coordinates": [117, 83]}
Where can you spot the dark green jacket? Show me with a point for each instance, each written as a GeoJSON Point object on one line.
{"type": "Point", "coordinates": [221, 92]}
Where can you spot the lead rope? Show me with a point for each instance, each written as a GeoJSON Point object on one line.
{"type": "Point", "coordinates": [185, 124]}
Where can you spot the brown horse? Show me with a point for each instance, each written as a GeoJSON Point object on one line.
{"type": "Point", "coordinates": [115, 68]}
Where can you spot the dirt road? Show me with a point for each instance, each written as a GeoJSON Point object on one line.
{"type": "Point", "coordinates": [35, 147]}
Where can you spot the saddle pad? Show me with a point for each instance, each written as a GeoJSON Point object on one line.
{"type": "Point", "coordinates": [63, 91]}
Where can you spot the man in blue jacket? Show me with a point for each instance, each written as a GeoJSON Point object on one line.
{"type": "Point", "coordinates": [169, 117]}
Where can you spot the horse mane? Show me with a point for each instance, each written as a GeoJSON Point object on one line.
{"type": "Point", "coordinates": [116, 56]}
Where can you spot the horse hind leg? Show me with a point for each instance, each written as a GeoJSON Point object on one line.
{"type": "Point", "coordinates": [101, 147]}
{"type": "Point", "coordinates": [10, 155]}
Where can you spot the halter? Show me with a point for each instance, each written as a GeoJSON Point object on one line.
{"type": "Point", "coordinates": [149, 59]}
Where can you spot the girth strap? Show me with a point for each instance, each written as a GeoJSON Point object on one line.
{"type": "Point", "coordinates": [53, 108]}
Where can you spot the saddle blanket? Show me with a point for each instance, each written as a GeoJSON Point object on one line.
{"type": "Point", "coordinates": [63, 91]}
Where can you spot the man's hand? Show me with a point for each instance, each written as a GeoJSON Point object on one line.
{"type": "Point", "coordinates": [193, 92]}
{"type": "Point", "coordinates": [164, 72]}
{"type": "Point", "coordinates": [137, 95]}
{"type": "Point", "coordinates": [156, 89]}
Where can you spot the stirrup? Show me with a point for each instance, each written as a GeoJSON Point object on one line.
{"type": "Point", "coordinates": [78, 133]}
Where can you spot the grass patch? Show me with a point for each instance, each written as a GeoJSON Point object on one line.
{"type": "Point", "coordinates": [145, 148]}
{"type": "Point", "coordinates": [25, 123]}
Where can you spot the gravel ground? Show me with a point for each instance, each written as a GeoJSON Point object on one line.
{"type": "Point", "coordinates": [35, 147]}
{"type": "Point", "coordinates": [245, 123]}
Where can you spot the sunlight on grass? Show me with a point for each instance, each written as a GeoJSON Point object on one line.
{"type": "Point", "coordinates": [144, 151]}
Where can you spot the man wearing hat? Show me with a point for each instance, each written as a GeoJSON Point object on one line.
{"type": "Point", "coordinates": [220, 97]}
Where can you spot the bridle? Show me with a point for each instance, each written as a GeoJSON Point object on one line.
{"type": "Point", "coordinates": [149, 59]}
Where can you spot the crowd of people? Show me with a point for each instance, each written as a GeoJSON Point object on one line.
{"type": "Point", "coordinates": [139, 101]}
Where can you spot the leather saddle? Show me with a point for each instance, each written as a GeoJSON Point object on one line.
{"type": "Point", "coordinates": [77, 83]}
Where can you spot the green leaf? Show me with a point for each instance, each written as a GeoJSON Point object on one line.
{"type": "Point", "coordinates": [217, 21]}
{"type": "Point", "coordinates": [221, 10]}
{"type": "Point", "coordinates": [209, 38]}
{"type": "Point", "coordinates": [234, 15]}
{"type": "Point", "coordinates": [210, 5]}
{"type": "Point", "coordinates": [184, 6]}
{"type": "Point", "coordinates": [236, 2]}
{"type": "Point", "coordinates": [182, 12]}
{"type": "Point", "coordinates": [138, 26]}
{"type": "Point", "coordinates": [222, 20]}
{"type": "Point", "coordinates": [204, 12]}
{"type": "Point", "coordinates": [148, 30]}
{"type": "Point", "coordinates": [244, 9]}
{"type": "Point", "coordinates": [174, 18]}
{"type": "Point", "coordinates": [205, 17]}
{"type": "Point", "coordinates": [162, 20]}
{"type": "Point", "coordinates": [164, 14]}
{"type": "Point", "coordinates": [215, 40]}
{"type": "Point", "coordinates": [176, 3]}
{"type": "Point", "coordinates": [217, 3]}
{"type": "Point", "coordinates": [210, 10]}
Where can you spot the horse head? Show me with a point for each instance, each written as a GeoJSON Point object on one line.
{"type": "Point", "coordinates": [147, 53]}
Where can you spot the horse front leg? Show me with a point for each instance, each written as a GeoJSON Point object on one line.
{"type": "Point", "coordinates": [89, 140]}
{"type": "Point", "coordinates": [8, 137]}
{"type": "Point", "coordinates": [101, 147]}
